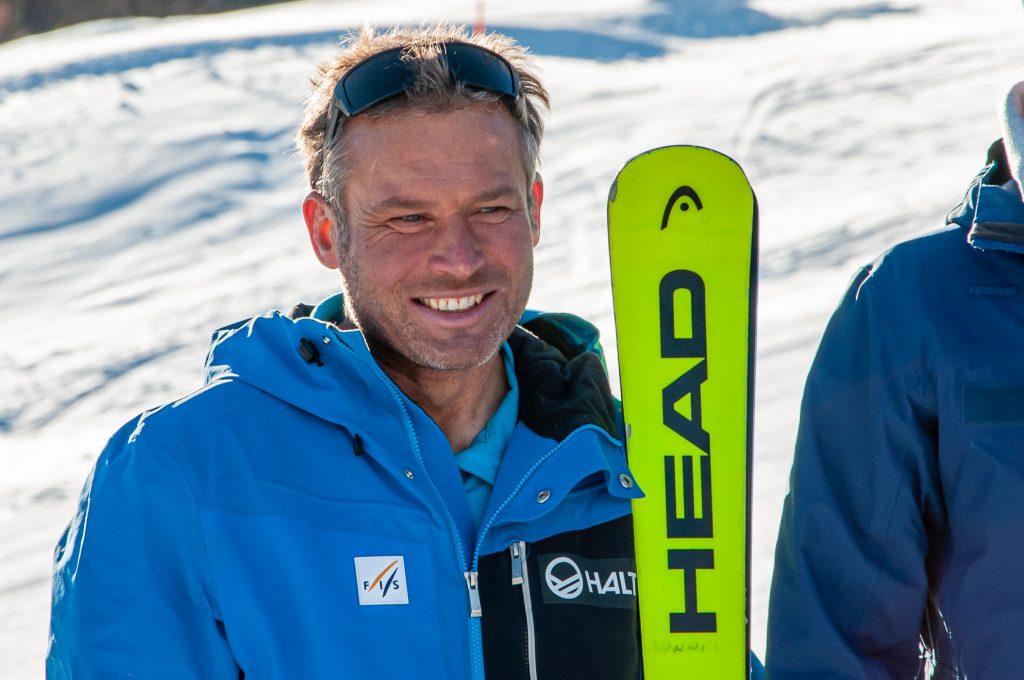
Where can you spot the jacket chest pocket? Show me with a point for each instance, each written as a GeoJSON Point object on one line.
{"type": "Point", "coordinates": [981, 437]}
{"type": "Point", "coordinates": [992, 405]}
{"type": "Point", "coordinates": [311, 587]}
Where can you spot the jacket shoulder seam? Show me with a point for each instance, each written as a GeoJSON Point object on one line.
{"type": "Point", "coordinates": [169, 453]}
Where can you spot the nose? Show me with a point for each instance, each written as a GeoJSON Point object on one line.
{"type": "Point", "coordinates": [457, 251]}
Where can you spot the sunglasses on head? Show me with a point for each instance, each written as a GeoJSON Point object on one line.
{"type": "Point", "coordinates": [386, 74]}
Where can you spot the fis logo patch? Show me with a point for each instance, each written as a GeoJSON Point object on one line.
{"type": "Point", "coordinates": [569, 579]}
{"type": "Point", "coordinates": [381, 580]}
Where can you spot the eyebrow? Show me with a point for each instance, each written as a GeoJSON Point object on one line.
{"type": "Point", "coordinates": [499, 192]}
{"type": "Point", "coordinates": [399, 202]}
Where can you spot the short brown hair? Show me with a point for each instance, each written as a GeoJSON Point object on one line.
{"type": "Point", "coordinates": [433, 89]}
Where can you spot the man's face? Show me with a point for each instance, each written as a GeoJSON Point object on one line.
{"type": "Point", "coordinates": [439, 262]}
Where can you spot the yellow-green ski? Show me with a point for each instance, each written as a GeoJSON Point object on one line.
{"type": "Point", "coordinates": [682, 230]}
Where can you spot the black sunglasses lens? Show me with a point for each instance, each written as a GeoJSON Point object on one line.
{"type": "Point", "coordinates": [372, 81]}
{"type": "Point", "coordinates": [481, 68]}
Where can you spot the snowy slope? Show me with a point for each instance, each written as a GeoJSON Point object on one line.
{"type": "Point", "coordinates": [149, 194]}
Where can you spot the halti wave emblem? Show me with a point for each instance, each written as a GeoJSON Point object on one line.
{"type": "Point", "coordinates": [569, 583]}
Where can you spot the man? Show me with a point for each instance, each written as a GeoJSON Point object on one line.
{"type": "Point", "coordinates": [401, 482]}
{"type": "Point", "coordinates": [899, 553]}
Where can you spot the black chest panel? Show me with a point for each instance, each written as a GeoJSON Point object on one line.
{"type": "Point", "coordinates": [582, 594]}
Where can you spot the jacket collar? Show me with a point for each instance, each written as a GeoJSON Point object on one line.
{"type": "Point", "coordinates": [304, 361]}
{"type": "Point", "coordinates": [993, 210]}
{"type": "Point", "coordinates": [563, 382]}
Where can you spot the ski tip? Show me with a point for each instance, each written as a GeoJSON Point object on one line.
{"type": "Point", "coordinates": [670, 147]}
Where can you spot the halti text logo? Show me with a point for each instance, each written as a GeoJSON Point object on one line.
{"type": "Point", "coordinates": [599, 583]}
{"type": "Point", "coordinates": [381, 580]}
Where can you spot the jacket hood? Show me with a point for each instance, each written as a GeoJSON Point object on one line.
{"type": "Point", "coordinates": [303, 362]}
{"type": "Point", "coordinates": [993, 209]}
{"type": "Point", "coordinates": [310, 363]}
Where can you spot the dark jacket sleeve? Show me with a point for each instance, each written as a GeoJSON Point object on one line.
{"type": "Point", "coordinates": [132, 595]}
{"type": "Point", "coordinates": [850, 581]}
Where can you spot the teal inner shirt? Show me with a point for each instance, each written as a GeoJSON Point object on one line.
{"type": "Point", "coordinates": [480, 462]}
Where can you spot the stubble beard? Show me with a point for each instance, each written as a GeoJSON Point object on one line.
{"type": "Point", "coordinates": [399, 343]}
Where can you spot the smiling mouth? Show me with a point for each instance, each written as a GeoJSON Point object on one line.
{"type": "Point", "coordinates": [452, 304]}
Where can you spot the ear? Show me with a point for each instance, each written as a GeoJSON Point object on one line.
{"type": "Point", "coordinates": [538, 197]}
{"type": "Point", "coordinates": [320, 224]}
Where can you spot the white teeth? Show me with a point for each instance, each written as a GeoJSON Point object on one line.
{"type": "Point", "coordinates": [452, 304]}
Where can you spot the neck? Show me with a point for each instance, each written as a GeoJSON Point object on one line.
{"type": "Point", "coordinates": [459, 401]}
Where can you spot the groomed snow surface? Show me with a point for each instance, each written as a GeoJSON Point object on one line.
{"type": "Point", "coordinates": [149, 194]}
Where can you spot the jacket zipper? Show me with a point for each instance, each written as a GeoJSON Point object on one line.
{"type": "Point", "coordinates": [472, 589]}
{"type": "Point", "coordinates": [475, 630]}
{"type": "Point", "coordinates": [472, 585]}
{"type": "Point", "coordinates": [520, 577]}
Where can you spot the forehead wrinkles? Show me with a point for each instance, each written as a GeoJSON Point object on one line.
{"type": "Point", "coordinates": [475, 148]}
{"type": "Point", "coordinates": [441, 135]}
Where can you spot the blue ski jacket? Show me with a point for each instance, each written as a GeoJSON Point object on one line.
{"type": "Point", "coordinates": [899, 553]}
{"type": "Point", "coordinates": [300, 517]}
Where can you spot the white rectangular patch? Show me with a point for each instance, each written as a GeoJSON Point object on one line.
{"type": "Point", "coordinates": [381, 580]}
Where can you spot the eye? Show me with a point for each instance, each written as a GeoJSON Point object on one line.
{"type": "Point", "coordinates": [493, 213]}
{"type": "Point", "coordinates": [407, 223]}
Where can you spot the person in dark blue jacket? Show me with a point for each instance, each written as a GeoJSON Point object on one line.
{"type": "Point", "coordinates": [402, 481]}
{"type": "Point", "coordinates": [899, 552]}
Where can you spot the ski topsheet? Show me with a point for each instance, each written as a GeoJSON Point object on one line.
{"type": "Point", "coordinates": [682, 231]}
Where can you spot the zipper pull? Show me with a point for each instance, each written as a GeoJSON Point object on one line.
{"type": "Point", "coordinates": [517, 550]}
{"type": "Point", "coordinates": [472, 586]}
